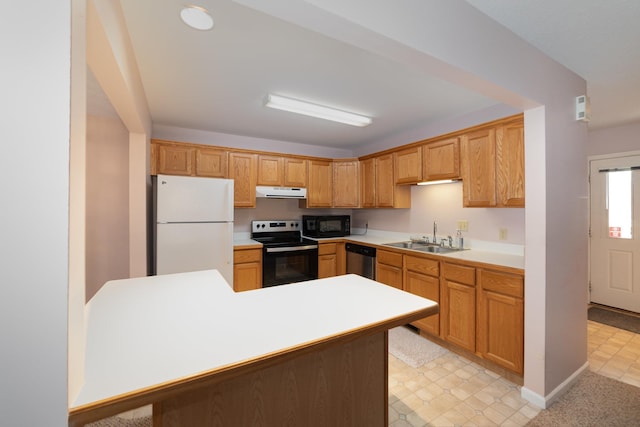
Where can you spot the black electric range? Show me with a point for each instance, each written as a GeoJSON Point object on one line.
{"type": "Point", "coordinates": [287, 257]}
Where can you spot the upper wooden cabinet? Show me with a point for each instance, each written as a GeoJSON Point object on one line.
{"type": "Point", "coordinates": [510, 164]}
{"type": "Point", "coordinates": [243, 171]}
{"type": "Point", "coordinates": [493, 166]}
{"type": "Point", "coordinates": [270, 170]}
{"type": "Point", "coordinates": [441, 160]}
{"type": "Point", "coordinates": [277, 171]}
{"type": "Point", "coordinates": [378, 185]}
{"type": "Point", "coordinates": [320, 188]}
{"type": "Point", "coordinates": [429, 162]}
{"type": "Point", "coordinates": [175, 160]}
{"type": "Point", "coordinates": [295, 172]}
{"type": "Point", "coordinates": [368, 183]}
{"type": "Point", "coordinates": [211, 162]}
{"type": "Point", "coordinates": [346, 184]}
{"type": "Point", "coordinates": [408, 165]}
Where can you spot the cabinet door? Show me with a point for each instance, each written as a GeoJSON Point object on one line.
{"type": "Point", "coordinates": [243, 170]}
{"type": "Point", "coordinates": [270, 171]}
{"type": "Point", "coordinates": [368, 183]}
{"type": "Point", "coordinates": [479, 168]}
{"type": "Point", "coordinates": [346, 184]}
{"type": "Point", "coordinates": [247, 276]}
{"type": "Point", "coordinates": [175, 160]}
{"type": "Point", "coordinates": [501, 319]}
{"type": "Point", "coordinates": [442, 160]}
{"type": "Point", "coordinates": [510, 164]}
{"type": "Point", "coordinates": [385, 182]}
{"type": "Point", "coordinates": [295, 172]}
{"type": "Point", "coordinates": [327, 266]}
{"type": "Point", "coordinates": [427, 287]}
{"type": "Point", "coordinates": [459, 312]}
{"type": "Point", "coordinates": [389, 275]}
{"type": "Point", "coordinates": [408, 165]}
{"type": "Point", "coordinates": [320, 189]}
{"type": "Point", "coordinates": [458, 308]}
{"type": "Point", "coordinates": [247, 269]}
{"type": "Point", "coordinates": [211, 162]}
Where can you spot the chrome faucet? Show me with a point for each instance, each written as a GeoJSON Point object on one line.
{"type": "Point", "coordinates": [435, 230]}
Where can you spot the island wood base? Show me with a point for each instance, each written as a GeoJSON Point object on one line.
{"type": "Point", "coordinates": [344, 385]}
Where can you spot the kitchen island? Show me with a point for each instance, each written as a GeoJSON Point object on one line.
{"type": "Point", "coordinates": [311, 353]}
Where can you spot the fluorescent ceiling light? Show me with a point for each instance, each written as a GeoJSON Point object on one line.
{"type": "Point", "coordinates": [196, 17]}
{"type": "Point", "coordinates": [314, 110]}
{"type": "Point", "coordinates": [442, 181]}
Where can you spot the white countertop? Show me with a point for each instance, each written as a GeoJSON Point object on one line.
{"type": "Point", "coordinates": [505, 255]}
{"type": "Point", "coordinates": [146, 331]}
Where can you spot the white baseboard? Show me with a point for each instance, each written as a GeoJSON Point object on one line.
{"type": "Point", "coordinates": [546, 401]}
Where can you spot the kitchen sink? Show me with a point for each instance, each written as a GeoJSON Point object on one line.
{"type": "Point", "coordinates": [407, 245]}
{"type": "Point", "coordinates": [423, 247]}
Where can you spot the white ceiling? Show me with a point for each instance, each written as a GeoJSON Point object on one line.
{"type": "Point", "coordinates": [217, 80]}
{"type": "Point", "coordinates": [597, 39]}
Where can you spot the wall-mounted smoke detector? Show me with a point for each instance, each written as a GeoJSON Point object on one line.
{"type": "Point", "coordinates": [196, 17]}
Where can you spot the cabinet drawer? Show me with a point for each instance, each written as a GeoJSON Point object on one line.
{"type": "Point", "coordinates": [459, 273]}
{"type": "Point", "coordinates": [502, 283]}
{"type": "Point", "coordinates": [422, 265]}
{"type": "Point", "coordinates": [390, 258]}
{"type": "Point", "coordinates": [327, 248]}
{"type": "Point", "coordinates": [247, 255]}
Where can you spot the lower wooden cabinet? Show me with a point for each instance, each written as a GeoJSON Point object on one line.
{"type": "Point", "coordinates": [389, 268]}
{"type": "Point", "coordinates": [501, 319]}
{"type": "Point", "coordinates": [458, 305]}
{"type": "Point", "coordinates": [332, 259]}
{"type": "Point", "coordinates": [421, 277]}
{"type": "Point", "coordinates": [247, 269]}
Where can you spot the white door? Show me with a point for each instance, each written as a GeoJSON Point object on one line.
{"type": "Point", "coordinates": [614, 242]}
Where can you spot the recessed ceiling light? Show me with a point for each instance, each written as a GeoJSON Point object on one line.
{"type": "Point", "coordinates": [196, 17]}
{"type": "Point", "coordinates": [315, 110]}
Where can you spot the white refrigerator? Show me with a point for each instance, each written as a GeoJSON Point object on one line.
{"type": "Point", "coordinates": [193, 225]}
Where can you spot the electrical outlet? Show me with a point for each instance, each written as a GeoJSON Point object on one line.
{"type": "Point", "coordinates": [502, 234]}
{"type": "Point", "coordinates": [463, 225]}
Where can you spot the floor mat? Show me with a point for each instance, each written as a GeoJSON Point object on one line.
{"type": "Point", "coordinates": [615, 319]}
{"type": "Point", "coordinates": [411, 348]}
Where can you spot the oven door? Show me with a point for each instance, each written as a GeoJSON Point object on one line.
{"type": "Point", "coordinates": [282, 265]}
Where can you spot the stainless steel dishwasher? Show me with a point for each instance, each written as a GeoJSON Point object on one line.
{"type": "Point", "coordinates": [361, 260]}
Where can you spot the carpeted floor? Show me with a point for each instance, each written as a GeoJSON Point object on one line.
{"type": "Point", "coordinates": [614, 318]}
{"type": "Point", "coordinates": [411, 348]}
{"type": "Point", "coordinates": [594, 400]}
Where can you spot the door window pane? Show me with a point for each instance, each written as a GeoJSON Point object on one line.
{"type": "Point", "coordinates": [619, 204]}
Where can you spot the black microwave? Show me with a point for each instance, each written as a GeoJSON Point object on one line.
{"type": "Point", "coordinates": [326, 225]}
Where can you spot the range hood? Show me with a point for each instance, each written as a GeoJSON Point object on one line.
{"type": "Point", "coordinates": [281, 192]}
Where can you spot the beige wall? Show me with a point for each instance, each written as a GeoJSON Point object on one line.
{"type": "Point", "coordinates": [107, 244]}
{"type": "Point", "coordinates": [614, 140]}
{"type": "Point", "coordinates": [443, 203]}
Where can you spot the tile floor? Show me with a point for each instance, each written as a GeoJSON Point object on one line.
{"type": "Point", "coordinates": [452, 391]}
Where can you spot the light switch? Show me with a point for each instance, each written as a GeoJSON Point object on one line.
{"type": "Point", "coordinates": [463, 225]}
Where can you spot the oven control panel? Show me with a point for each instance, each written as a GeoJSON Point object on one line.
{"type": "Point", "coordinates": [275, 225]}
